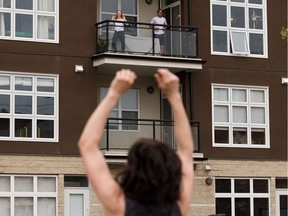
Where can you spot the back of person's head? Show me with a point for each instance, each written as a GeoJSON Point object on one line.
{"type": "Point", "coordinates": [152, 174]}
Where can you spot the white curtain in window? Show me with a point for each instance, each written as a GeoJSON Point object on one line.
{"type": "Point", "coordinates": [43, 21]}
{"type": "Point", "coordinates": [221, 114]}
{"type": "Point", "coordinates": [2, 24]}
{"type": "Point", "coordinates": [23, 206]}
{"type": "Point", "coordinates": [43, 26]}
{"type": "Point", "coordinates": [4, 184]}
{"type": "Point", "coordinates": [46, 184]}
{"type": "Point", "coordinates": [46, 206]}
{"type": "Point", "coordinates": [46, 5]}
{"type": "Point", "coordinates": [5, 206]}
{"type": "Point", "coordinates": [220, 94]}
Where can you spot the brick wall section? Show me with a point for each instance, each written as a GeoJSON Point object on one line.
{"type": "Point", "coordinates": [202, 203]}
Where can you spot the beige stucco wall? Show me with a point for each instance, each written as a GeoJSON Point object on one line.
{"type": "Point", "coordinates": [202, 204]}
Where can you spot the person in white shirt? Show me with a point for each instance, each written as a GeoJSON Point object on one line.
{"type": "Point", "coordinates": [159, 30]}
{"type": "Point", "coordinates": [119, 30]}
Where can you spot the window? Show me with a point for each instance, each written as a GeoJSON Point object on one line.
{"type": "Point", "coordinates": [28, 107]}
{"type": "Point", "coordinates": [127, 108]}
{"type": "Point", "coordinates": [26, 195]}
{"type": "Point", "coordinates": [239, 27]}
{"type": "Point", "coordinates": [129, 9]}
{"type": "Point", "coordinates": [240, 116]}
{"type": "Point", "coordinates": [242, 196]}
{"type": "Point", "coordinates": [33, 20]}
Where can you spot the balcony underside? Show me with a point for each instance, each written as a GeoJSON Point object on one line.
{"type": "Point", "coordinates": [120, 157]}
{"type": "Point", "coordinates": [144, 65]}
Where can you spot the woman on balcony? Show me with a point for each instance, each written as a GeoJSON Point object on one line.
{"type": "Point", "coordinates": [119, 30]}
{"type": "Point", "coordinates": [156, 180]}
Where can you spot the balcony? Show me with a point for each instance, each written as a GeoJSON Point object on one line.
{"type": "Point", "coordinates": [143, 50]}
{"type": "Point", "coordinates": [120, 133]}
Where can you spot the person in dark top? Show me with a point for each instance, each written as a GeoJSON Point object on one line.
{"type": "Point", "coordinates": [156, 181]}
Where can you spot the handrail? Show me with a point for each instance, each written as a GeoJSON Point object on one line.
{"type": "Point", "coordinates": [180, 41]}
{"type": "Point", "coordinates": [157, 126]}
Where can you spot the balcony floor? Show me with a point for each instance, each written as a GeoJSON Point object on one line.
{"type": "Point", "coordinates": [145, 65]}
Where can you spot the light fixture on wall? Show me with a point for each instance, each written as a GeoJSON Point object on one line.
{"type": "Point", "coordinates": [150, 90]}
{"type": "Point", "coordinates": [148, 2]}
{"type": "Point", "coordinates": [285, 81]}
{"type": "Point", "coordinates": [79, 68]}
{"type": "Point", "coordinates": [207, 168]}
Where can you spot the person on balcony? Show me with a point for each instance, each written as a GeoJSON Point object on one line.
{"type": "Point", "coordinates": [119, 30]}
{"type": "Point", "coordinates": [159, 30]}
{"type": "Point", "coordinates": [156, 180]}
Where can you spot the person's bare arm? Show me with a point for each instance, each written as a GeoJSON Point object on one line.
{"type": "Point", "coordinates": [106, 188]}
{"type": "Point", "coordinates": [169, 84]}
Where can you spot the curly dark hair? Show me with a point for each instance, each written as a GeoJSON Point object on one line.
{"type": "Point", "coordinates": [153, 173]}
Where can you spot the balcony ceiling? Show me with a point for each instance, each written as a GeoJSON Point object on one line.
{"type": "Point", "coordinates": [143, 65]}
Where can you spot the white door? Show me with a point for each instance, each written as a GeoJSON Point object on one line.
{"type": "Point", "coordinates": [76, 202]}
{"type": "Point", "coordinates": [281, 202]}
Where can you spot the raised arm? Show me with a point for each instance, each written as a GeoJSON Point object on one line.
{"type": "Point", "coordinates": [106, 188]}
{"type": "Point", "coordinates": [169, 85]}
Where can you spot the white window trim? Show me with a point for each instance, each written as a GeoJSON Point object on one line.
{"type": "Point", "coordinates": [34, 194]}
{"type": "Point", "coordinates": [249, 195]}
{"type": "Point", "coordinates": [32, 116]}
{"type": "Point", "coordinates": [247, 125]}
{"type": "Point", "coordinates": [125, 14]}
{"type": "Point", "coordinates": [119, 111]}
{"type": "Point", "coordinates": [34, 13]}
{"type": "Point", "coordinates": [228, 4]}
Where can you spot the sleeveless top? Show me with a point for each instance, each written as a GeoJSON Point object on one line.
{"type": "Point", "coordinates": [134, 208]}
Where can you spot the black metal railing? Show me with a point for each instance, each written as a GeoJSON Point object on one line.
{"type": "Point", "coordinates": [120, 133]}
{"type": "Point", "coordinates": [180, 41]}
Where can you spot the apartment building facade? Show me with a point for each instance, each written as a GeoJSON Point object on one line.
{"type": "Point", "coordinates": [56, 62]}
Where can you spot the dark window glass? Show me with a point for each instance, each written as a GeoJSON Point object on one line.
{"type": "Point", "coordinates": [45, 128]}
{"type": "Point", "coordinates": [75, 181]}
{"type": "Point", "coordinates": [242, 186]}
{"type": "Point", "coordinates": [223, 185]}
{"type": "Point", "coordinates": [223, 206]}
{"type": "Point", "coordinates": [219, 15]}
{"type": "Point", "coordinates": [45, 85]}
{"type": "Point", "coordinates": [23, 83]}
{"type": "Point", "coordinates": [5, 82]}
{"type": "Point", "coordinates": [24, 25]}
{"type": "Point", "coordinates": [260, 186]}
{"type": "Point", "coordinates": [129, 124]}
{"type": "Point", "coordinates": [281, 182]}
{"type": "Point", "coordinates": [242, 207]}
{"type": "Point", "coordinates": [283, 205]}
{"type": "Point", "coordinates": [255, 1]}
{"type": "Point", "coordinates": [221, 135]}
{"type": "Point", "coordinates": [24, 4]}
{"type": "Point", "coordinates": [4, 103]}
{"type": "Point", "coordinates": [23, 104]}
{"type": "Point", "coordinates": [4, 127]}
{"type": "Point", "coordinates": [256, 43]}
{"type": "Point", "coordinates": [45, 105]}
{"type": "Point", "coordinates": [23, 128]}
{"type": "Point", "coordinates": [261, 207]}
{"type": "Point", "coordinates": [219, 41]}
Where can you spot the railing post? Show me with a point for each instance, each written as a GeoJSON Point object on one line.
{"type": "Point", "coordinates": [153, 40]}
{"type": "Point", "coordinates": [153, 129]}
{"type": "Point", "coordinates": [107, 36]}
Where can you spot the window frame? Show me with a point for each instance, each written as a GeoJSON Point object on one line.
{"type": "Point", "coordinates": [248, 125]}
{"type": "Point", "coordinates": [35, 194]}
{"type": "Point", "coordinates": [249, 31]}
{"type": "Point", "coordinates": [120, 110]}
{"type": "Point", "coordinates": [111, 29]}
{"type": "Point", "coordinates": [34, 116]}
{"type": "Point", "coordinates": [249, 195]}
{"type": "Point", "coordinates": [35, 13]}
